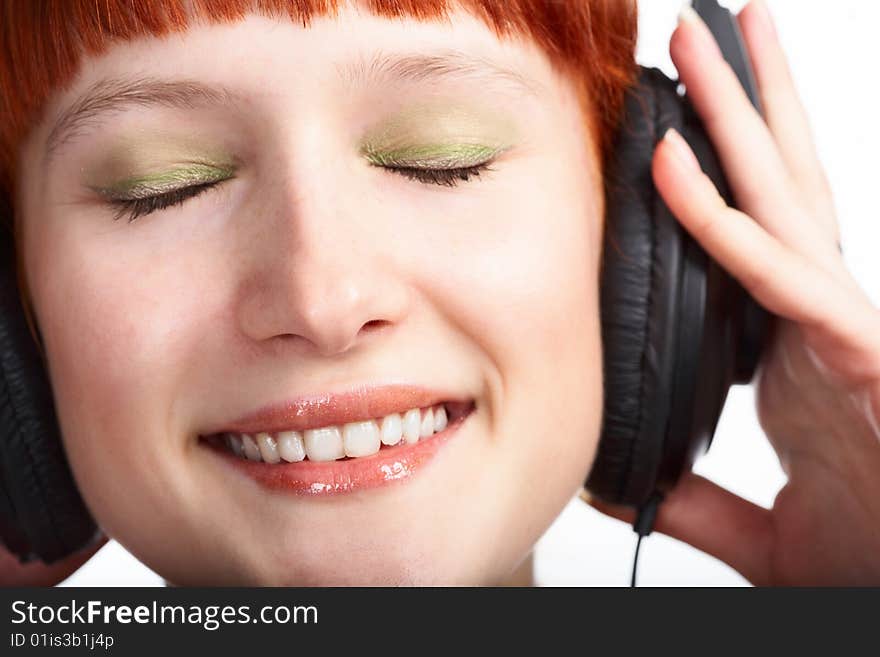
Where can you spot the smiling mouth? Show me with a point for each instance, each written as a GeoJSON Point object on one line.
{"type": "Point", "coordinates": [344, 442]}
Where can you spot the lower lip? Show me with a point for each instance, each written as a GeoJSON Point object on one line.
{"type": "Point", "coordinates": [320, 478]}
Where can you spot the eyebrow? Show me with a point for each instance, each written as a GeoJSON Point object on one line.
{"type": "Point", "coordinates": [111, 95]}
{"type": "Point", "coordinates": [115, 94]}
{"type": "Point", "coordinates": [436, 66]}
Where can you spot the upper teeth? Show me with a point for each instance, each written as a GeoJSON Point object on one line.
{"type": "Point", "coordinates": [335, 442]}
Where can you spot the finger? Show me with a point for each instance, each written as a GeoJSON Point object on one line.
{"type": "Point", "coordinates": [785, 114]}
{"type": "Point", "coordinates": [715, 521]}
{"type": "Point", "coordinates": [780, 279]}
{"type": "Point", "coordinates": [760, 179]}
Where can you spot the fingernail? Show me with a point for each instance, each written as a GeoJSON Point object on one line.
{"type": "Point", "coordinates": [687, 16]}
{"type": "Point", "coordinates": [763, 12]}
{"type": "Point", "coordinates": [682, 150]}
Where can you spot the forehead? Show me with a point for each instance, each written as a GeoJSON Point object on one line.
{"type": "Point", "coordinates": [224, 64]}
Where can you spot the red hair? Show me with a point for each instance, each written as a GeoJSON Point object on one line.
{"type": "Point", "coordinates": [42, 43]}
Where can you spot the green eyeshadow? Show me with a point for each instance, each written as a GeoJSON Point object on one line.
{"type": "Point", "coordinates": [146, 165]}
{"type": "Point", "coordinates": [176, 177]}
{"type": "Point", "coordinates": [440, 156]}
{"type": "Point", "coordinates": [438, 135]}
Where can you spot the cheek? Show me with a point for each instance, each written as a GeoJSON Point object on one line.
{"type": "Point", "coordinates": [114, 337]}
{"type": "Point", "coordinates": [525, 284]}
{"type": "Point", "coordinates": [113, 330]}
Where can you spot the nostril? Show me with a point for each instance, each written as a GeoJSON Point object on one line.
{"type": "Point", "coordinates": [374, 325]}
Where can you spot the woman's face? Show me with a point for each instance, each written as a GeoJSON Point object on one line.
{"type": "Point", "coordinates": [313, 268]}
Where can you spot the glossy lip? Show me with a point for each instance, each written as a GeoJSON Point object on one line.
{"type": "Point", "coordinates": [327, 478]}
{"type": "Point", "coordinates": [323, 410]}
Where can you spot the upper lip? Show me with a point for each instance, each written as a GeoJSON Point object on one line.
{"type": "Point", "coordinates": [322, 410]}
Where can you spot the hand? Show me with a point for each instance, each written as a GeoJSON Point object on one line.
{"type": "Point", "coordinates": [37, 573]}
{"type": "Point", "coordinates": [818, 387]}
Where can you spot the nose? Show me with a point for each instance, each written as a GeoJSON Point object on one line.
{"type": "Point", "coordinates": [320, 278]}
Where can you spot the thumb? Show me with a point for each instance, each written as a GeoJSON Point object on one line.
{"type": "Point", "coordinates": [713, 520]}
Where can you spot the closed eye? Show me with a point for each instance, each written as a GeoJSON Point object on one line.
{"type": "Point", "coordinates": [139, 207]}
{"type": "Point", "coordinates": [444, 177]}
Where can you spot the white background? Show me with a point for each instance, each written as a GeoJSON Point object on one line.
{"type": "Point", "coordinates": [832, 47]}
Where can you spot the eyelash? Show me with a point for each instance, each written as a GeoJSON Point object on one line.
{"type": "Point", "coordinates": [444, 177]}
{"type": "Point", "coordinates": [143, 206]}
{"type": "Point", "coordinates": [138, 207]}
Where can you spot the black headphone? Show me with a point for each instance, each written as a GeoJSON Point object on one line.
{"type": "Point", "coordinates": [671, 319]}
{"type": "Point", "coordinates": [677, 330]}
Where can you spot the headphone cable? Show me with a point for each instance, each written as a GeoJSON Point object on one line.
{"type": "Point", "coordinates": [643, 526]}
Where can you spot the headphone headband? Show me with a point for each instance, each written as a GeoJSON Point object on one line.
{"type": "Point", "coordinates": [724, 28]}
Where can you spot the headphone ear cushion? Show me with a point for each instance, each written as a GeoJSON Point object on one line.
{"type": "Point", "coordinates": [42, 514]}
{"type": "Point", "coordinates": [641, 267]}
